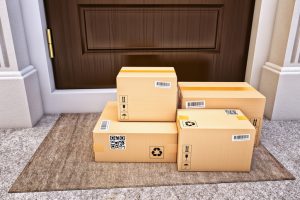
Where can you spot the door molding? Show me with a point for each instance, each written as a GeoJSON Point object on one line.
{"type": "Point", "coordinates": [56, 101]}
{"type": "Point", "coordinates": [93, 100]}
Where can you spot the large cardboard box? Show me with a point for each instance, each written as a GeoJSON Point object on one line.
{"type": "Point", "coordinates": [237, 95]}
{"type": "Point", "coordinates": [147, 94]}
{"type": "Point", "coordinates": [214, 140]}
{"type": "Point", "coordinates": [116, 141]}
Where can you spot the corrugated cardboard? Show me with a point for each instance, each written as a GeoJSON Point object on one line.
{"type": "Point", "coordinates": [237, 95]}
{"type": "Point", "coordinates": [147, 94]}
{"type": "Point", "coordinates": [214, 140]}
{"type": "Point", "coordinates": [133, 141]}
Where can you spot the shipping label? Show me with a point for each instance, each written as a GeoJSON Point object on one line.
{"type": "Point", "coordinates": [104, 125]}
{"type": "Point", "coordinates": [240, 137]}
{"type": "Point", "coordinates": [231, 112]}
{"type": "Point", "coordinates": [195, 104]}
{"type": "Point", "coordinates": [162, 84]}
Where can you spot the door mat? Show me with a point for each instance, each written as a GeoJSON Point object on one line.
{"type": "Point", "coordinates": [64, 161]}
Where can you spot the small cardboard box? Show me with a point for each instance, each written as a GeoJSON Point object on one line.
{"type": "Point", "coordinates": [236, 95]}
{"type": "Point", "coordinates": [147, 94]}
{"type": "Point", "coordinates": [116, 141]}
{"type": "Point", "coordinates": [214, 140]}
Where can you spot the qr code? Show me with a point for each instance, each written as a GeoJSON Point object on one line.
{"type": "Point", "coordinates": [117, 142]}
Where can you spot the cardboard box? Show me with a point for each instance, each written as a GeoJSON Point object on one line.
{"type": "Point", "coordinates": [116, 141]}
{"type": "Point", "coordinates": [147, 94]}
{"type": "Point", "coordinates": [237, 95]}
{"type": "Point", "coordinates": [214, 140]}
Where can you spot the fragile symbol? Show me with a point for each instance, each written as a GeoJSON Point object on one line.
{"type": "Point", "coordinates": [157, 152]}
{"type": "Point", "coordinates": [124, 115]}
{"type": "Point", "coordinates": [186, 156]}
{"type": "Point", "coordinates": [254, 122]}
{"type": "Point", "coordinates": [187, 148]}
{"type": "Point", "coordinates": [123, 98]}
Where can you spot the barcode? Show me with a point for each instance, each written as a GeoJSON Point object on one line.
{"type": "Point", "coordinates": [231, 112]}
{"type": "Point", "coordinates": [104, 126]}
{"type": "Point", "coordinates": [195, 104]}
{"type": "Point", "coordinates": [244, 137]}
{"type": "Point", "coordinates": [117, 142]}
{"type": "Point", "coordinates": [162, 84]}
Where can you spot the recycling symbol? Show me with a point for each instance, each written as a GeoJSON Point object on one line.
{"type": "Point", "coordinates": [189, 123]}
{"type": "Point", "coordinates": [156, 152]}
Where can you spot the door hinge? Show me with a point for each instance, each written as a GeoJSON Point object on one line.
{"type": "Point", "coordinates": [50, 44]}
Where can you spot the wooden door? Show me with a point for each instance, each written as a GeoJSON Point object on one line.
{"type": "Point", "coordinates": [205, 40]}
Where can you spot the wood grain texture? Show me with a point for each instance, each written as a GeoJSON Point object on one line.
{"type": "Point", "coordinates": [147, 28]}
{"type": "Point", "coordinates": [64, 161]}
{"type": "Point", "coordinates": [205, 40]}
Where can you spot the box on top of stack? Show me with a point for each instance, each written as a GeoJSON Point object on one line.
{"type": "Point", "coordinates": [214, 140]}
{"type": "Point", "coordinates": [143, 91]}
{"type": "Point", "coordinates": [116, 141]}
{"type": "Point", "coordinates": [236, 95]}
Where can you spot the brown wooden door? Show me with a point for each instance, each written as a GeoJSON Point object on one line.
{"type": "Point", "coordinates": [205, 40]}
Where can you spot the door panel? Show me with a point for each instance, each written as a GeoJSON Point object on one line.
{"type": "Point", "coordinates": [204, 40]}
{"type": "Point", "coordinates": [149, 28]}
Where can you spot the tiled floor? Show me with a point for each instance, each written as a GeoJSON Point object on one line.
{"type": "Point", "coordinates": [281, 138]}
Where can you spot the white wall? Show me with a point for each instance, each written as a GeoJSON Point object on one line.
{"type": "Point", "coordinates": [20, 98]}
{"type": "Point", "coordinates": [280, 81]}
{"type": "Point", "coordinates": [260, 41]}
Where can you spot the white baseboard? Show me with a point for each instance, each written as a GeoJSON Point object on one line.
{"type": "Point", "coordinates": [20, 98]}
{"type": "Point", "coordinates": [281, 86]}
{"type": "Point", "coordinates": [78, 101]}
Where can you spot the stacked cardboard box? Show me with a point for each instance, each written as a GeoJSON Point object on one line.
{"type": "Point", "coordinates": [116, 141]}
{"type": "Point", "coordinates": [141, 127]}
{"type": "Point", "coordinates": [143, 91]}
{"type": "Point", "coordinates": [214, 140]}
{"type": "Point", "coordinates": [238, 95]}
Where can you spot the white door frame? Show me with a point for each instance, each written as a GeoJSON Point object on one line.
{"type": "Point", "coordinates": [55, 101]}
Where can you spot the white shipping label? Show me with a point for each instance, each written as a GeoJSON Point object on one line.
{"type": "Point", "coordinates": [104, 125]}
{"type": "Point", "coordinates": [241, 137]}
{"type": "Point", "coordinates": [117, 142]}
{"type": "Point", "coordinates": [195, 104]}
{"type": "Point", "coordinates": [231, 112]}
{"type": "Point", "coordinates": [162, 84]}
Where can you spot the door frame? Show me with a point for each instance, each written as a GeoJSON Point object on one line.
{"type": "Point", "coordinates": [93, 100]}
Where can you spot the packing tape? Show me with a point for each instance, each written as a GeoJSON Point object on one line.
{"type": "Point", "coordinates": [183, 117]}
{"type": "Point", "coordinates": [98, 148]}
{"type": "Point", "coordinates": [148, 70]}
{"type": "Point", "coordinates": [217, 88]}
{"type": "Point", "coordinates": [242, 117]}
